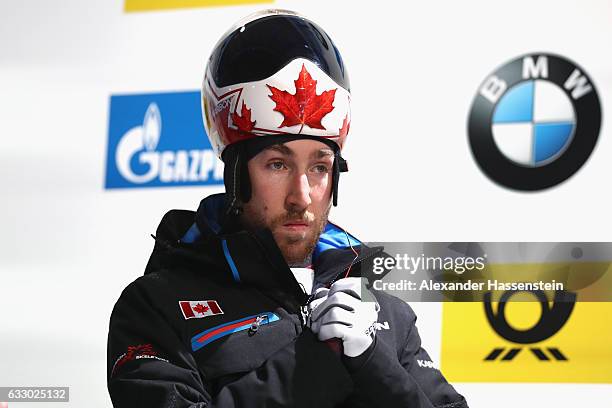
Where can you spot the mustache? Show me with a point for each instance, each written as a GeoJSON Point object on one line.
{"type": "Point", "coordinates": [305, 217]}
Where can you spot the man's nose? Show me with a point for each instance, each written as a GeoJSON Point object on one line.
{"type": "Point", "coordinates": [298, 198]}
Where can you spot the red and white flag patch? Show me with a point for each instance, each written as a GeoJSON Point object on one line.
{"type": "Point", "coordinates": [196, 309]}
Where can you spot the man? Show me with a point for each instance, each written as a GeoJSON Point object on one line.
{"type": "Point", "coordinates": [254, 300]}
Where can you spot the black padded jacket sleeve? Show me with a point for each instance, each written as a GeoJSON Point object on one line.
{"type": "Point", "coordinates": [149, 366]}
{"type": "Point", "coordinates": [381, 379]}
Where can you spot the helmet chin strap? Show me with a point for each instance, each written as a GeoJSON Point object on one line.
{"type": "Point", "coordinates": [340, 166]}
{"type": "Point", "coordinates": [233, 158]}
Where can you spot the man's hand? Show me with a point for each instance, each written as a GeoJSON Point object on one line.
{"type": "Point", "coordinates": [338, 312]}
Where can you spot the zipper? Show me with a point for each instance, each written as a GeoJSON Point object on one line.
{"type": "Point", "coordinates": [251, 324]}
{"type": "Point", "coordinates": [343, 272]}
{"type": "Point", "coordinates": [255, 325]}
{"type": "Point", "coordinates": [304, 308]}
{"type": "Point", "coordinates": [304, 314]}
{"type": "Point", "coordinates": [295, 306]}
{"type": "Point", "coordinates": [356, 263]}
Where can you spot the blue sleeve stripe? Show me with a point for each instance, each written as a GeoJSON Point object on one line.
{"type": "Point", "coordinates": [208, 336]}
{"type": "Point", "coordinates": [230, 261]}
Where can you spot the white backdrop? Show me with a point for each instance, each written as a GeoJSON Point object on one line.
{"type": "Point", "coordinates": [68, 247]}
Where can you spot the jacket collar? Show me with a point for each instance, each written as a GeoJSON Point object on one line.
{"type": "Point", "coordinates": [252, 257]}
{"type": "Point", "coordinates": [210, 212]}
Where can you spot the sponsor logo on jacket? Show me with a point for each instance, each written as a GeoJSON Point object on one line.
{"type": "Point", "coordinates": [426, 364]}
{"type": "Point", "coordinates": [136, 352]}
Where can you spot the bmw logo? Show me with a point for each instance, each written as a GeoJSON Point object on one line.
{"type": "Point", "coordinates": [534, 122]}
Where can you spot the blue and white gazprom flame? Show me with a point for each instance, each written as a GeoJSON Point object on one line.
{"type": "Point", "coordinates": [132, 142]}
{"type": "Point", "coordinates": [139, 157]}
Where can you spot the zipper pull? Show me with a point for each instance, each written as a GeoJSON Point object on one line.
{"type": "Point", "coordinates": [304, 314]}
{"type": "Point", "coordinates": [255, 325]}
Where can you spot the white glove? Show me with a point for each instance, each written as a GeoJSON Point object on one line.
{"type": "Point", "coordinates": [338, 312]}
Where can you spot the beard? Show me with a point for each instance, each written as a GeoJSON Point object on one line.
{"type": "Point", "coordinates": [295, 246]}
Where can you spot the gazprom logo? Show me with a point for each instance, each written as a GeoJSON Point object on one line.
{"type": "Point", "coordinates": [157, 140]}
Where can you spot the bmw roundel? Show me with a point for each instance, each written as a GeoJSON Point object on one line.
{"type": "Point", "coordinates": [534, 122]}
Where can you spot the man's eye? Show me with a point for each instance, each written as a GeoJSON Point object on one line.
{"type": "Point", "coordinates": [278, 165]}
{"type": "Point", "coordinates": [321, 168]}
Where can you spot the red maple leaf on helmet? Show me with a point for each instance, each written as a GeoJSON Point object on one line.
{"type": "Point", "coordinates": [200, 308]}
{"type": "Point", "coordinates": [243, 122]}
{"type": "Point", "coordinates": [304, 107]}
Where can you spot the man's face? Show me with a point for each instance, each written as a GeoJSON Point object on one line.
{"type": "Point", "coordinates": [291, 187]}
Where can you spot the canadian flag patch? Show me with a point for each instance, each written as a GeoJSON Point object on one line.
{"type": "Point", "coordinates": [196, 309]}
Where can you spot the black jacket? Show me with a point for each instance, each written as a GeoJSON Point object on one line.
{"type": "Point", "coordinates": [244, 343]}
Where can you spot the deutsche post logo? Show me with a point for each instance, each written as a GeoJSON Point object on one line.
{"type": "Point", "coordinates": [551, 320]}
{"type": "Point", "coordinates": [549, 339]}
